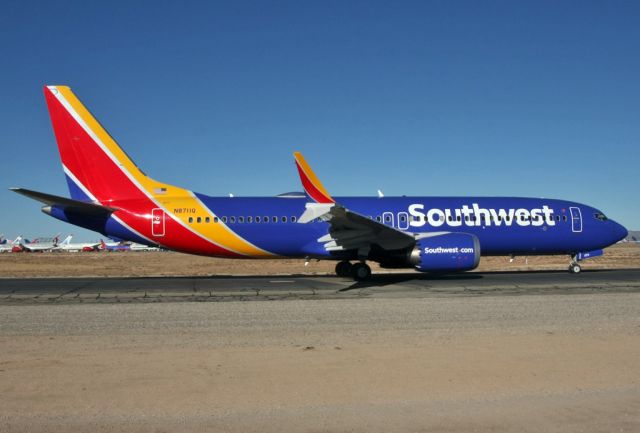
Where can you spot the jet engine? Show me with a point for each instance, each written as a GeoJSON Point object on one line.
{"type": "Point", "coordinates": [447, 252]}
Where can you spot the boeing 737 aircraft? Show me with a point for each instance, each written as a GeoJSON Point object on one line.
{"type": "Point", "coordinates": [111, 195]}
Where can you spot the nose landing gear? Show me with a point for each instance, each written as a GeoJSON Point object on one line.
{"type": "Point", "coordinates": [574, 267]}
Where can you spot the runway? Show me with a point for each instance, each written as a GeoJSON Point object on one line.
{"type": "Point", "coordinates": [283, 287]}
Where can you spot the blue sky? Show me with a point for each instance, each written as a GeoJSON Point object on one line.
{"type": "Point", "coordinates": [536, 99]}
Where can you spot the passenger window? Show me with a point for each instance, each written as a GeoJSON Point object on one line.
{"type": "Point", "coordinates": [224, 219]}
{"type": "Point", "coordinates": [215, 219]}
{"type": "Point", "coordinates": [274, 219]}
{"type": "Point", "coordinates": [293, 219]}
{"type": "Point", "coordinates": [564, 218]}
{"type": "Point", "coordinates": [557, 217]}
{"type": "Point", "coordinates": [387, 219]}
{"type": "Point", "coordinates": [403, 218]}
{"type": "Point", "coordinates": [378, 218]}
{"type": "Point", "coordinates": [284, 219]}
{"type": "Point", "coordinates": [257, 219]}
{"type": "Point", "coordinates": [190, 220]}
{"type": "Point", "coordinates": [249, 219]}
{"type": "Point", "coordinates": [199, 220]}
{"type": "Point", "coordinates": [232, 219]}
{"type": "Point", "coordinates": [240, 219]}
{"type": "Point", "coordinates": [207, 220]}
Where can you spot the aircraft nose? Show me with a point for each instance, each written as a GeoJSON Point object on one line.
{"type": "Point", "coordinates": [619, 232]}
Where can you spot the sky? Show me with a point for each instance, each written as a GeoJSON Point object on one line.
{"type": "Point", "coordinates": [431, 98]}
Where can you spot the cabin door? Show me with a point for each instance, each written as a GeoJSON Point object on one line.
{"type": "Point", "coordinates": [387, 218]}
{"type": "Point", "coordinates": [403, 221]}
{"type": "Point", "coordinates": [576, 219]}
{"type": "Point", "coordinates": [157, 222]}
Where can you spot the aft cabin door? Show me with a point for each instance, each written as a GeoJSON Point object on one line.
{"type": "Point", "coordinates": [157, 222]}
{"type": "Point", "coordinates": [576, 219]}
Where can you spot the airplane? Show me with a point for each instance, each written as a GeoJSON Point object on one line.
{"type": "Point", "coordinates": [141, 247]}
{"type": "Point", "coordinates": [66, 245]}
{"type": "Point", "coordinates": [114, 246]}
{"type": "Point", "coordinates": [428, 234]}
{"type": "Point", "coordinates": [37, 245]}
{"type": "Point", "coordinates": [6, 247]}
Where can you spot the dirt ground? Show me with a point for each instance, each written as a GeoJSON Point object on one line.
{"type": "Point", "coordinates": [137, 264]}
{"type": "Point", "coordinates": [558, 363]}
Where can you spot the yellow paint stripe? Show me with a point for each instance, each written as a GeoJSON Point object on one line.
{"type": "Point", "coordinates": [173, 197]}
{"type": "Point", "coordinates": [311, 175]}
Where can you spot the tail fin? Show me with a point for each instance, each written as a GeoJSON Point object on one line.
{"type": "Point", "coordinates": [97, 169]}
{"type": "Point", "coordinates": [66, 240]}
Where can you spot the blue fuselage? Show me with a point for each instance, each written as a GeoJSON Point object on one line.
{"type": "Point", "coordinates": [567, 227]}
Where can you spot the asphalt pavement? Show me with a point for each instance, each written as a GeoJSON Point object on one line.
{"type": "Point", "coordinates": [250, 288]}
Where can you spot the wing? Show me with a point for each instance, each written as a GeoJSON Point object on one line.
{"type": "Point", "coordinates": [348, 230]}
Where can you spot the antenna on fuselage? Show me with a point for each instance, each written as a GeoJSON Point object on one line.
{"type": "Point", "coordinates": [380, 194]}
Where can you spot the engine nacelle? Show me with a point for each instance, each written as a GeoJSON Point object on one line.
{"type": "Point", "coordinates": [448, 252]}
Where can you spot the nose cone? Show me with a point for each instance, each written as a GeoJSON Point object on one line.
{"type": "Point", "coordinates": [619, 232]}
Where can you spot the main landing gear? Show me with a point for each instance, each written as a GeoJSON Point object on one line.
{"type": "Point", "coordinates": [574, 267]}
{"type": "Point", "coordinates": [358, 271]}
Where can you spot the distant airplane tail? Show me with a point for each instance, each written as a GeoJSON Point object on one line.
{"type": "Point", "coordinates": [97, 169]}
{"type": "Point", "coordinates": [66, 240]}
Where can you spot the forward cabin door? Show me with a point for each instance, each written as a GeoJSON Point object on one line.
{"type": "Point", "coordinates": [387, 218]}
{"type": "Point", "coordinates": [576, 219]}
{"type": "Point", "coordinates": [157, 222]}
{"type": "Point", "coordinates": [403, 220]}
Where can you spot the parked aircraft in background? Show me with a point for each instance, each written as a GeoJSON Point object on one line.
{"type": "Point", "coordinates": [114, 246]}
{"type": "Point", "coordinates": [429, 234]}
{"type": "Point", "coordinates": [37, 245]}
{"type": "Point", "coordinates": [66, 245]}
{"type": "Point", "coordinates": [6, 247]}
{"type": "Point", "coordinates": [141, 247]}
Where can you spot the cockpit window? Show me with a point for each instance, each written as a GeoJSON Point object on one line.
{"type": "Point", "coordinates": [600, 216]}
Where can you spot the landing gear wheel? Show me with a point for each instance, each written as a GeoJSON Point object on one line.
{"type": "Point", "coordinates": [360, 271]}
{"type": "Point", "coordinates": [343, 269]}
{"type": "Point", "coordinates": [574, 268]}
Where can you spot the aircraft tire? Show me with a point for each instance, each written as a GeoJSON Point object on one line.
{"type": "Point", "coordinates": [360, 272]}
{"type": "Point", "coordinates": [343, 269]}
{"type": "Point", "coordinates": [575, 268]}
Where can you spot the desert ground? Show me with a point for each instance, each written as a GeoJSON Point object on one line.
{"type": "Point", "coordinates": [518, 363]}
{"type": "Point", "coordinates": [143, 264]}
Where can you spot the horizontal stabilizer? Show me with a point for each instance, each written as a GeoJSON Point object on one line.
{"type": "Point", "coordinates": [65, 203]}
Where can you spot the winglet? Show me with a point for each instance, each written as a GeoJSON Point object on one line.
{"type": "Point", "coordinates": [310, 181]}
